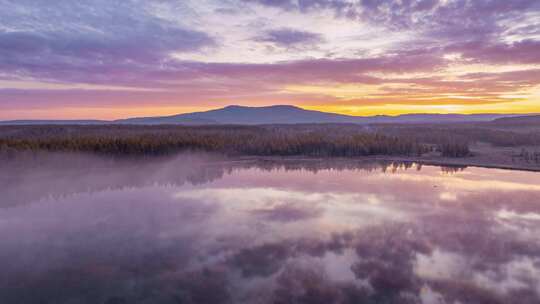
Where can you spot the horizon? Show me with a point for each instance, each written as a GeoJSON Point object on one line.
{"type": "Point", "coordinates": [268, 106]}
{"type": "Point", "coordinates": [120, 59]}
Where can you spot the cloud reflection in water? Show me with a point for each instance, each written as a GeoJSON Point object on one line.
{"type": "Point", "coordinates": [202, 231]}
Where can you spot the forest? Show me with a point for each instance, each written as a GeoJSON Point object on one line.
{"type": "Point", "coordinates": [308, 140]}
{"type": "Point", "coordinates": [497, 135]}
{"type": "Point", "coordinates": [313, 140]}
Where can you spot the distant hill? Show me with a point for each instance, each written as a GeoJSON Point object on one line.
{"type": "Point", "coordinates": [519, 120]}
{"type": "Point", "coordinates": [250, 116]}
{"type": "Point", "coordinates": [278, 114]}
{"type": "Point", "coordinates": [284, 114]}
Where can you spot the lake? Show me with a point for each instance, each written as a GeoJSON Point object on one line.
{"type": "Point", "coordinates": [197, 229]}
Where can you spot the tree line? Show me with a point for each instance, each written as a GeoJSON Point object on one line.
{"type": "Point", "coordinates": [230, 140]}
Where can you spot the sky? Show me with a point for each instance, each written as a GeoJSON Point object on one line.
{"type": "Point", "coordinates": [109, 59]}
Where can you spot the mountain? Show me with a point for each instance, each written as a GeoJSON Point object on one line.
{"type": "Point", "coordinates": [519, 120]}
{"type": "Point", "coordinates": [249, 116]}
{"type": "Point", "coordinates": [278, 114]}
{"type": "Point", "coordinates": [284, 114]}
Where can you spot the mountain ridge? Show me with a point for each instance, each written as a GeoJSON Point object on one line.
{"type": "Point", "coordinates": [275, 114]}
{"type": "Point", "coordinates": [529, 119]}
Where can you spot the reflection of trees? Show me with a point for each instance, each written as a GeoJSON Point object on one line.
{"type": "Point", "coordinates": [339, 165]}
{"type": "Point", "coordinates": [58, 175]}
{"type": "Point", "coordinates": [452, 169]}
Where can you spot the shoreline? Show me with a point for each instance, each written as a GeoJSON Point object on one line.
{"type": "Point", "coordinates": [474, 162]}
{"type": "Point", "coordinates": [477, 161]}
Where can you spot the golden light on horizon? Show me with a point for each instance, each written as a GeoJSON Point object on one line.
{"type": "Point", "coordinates": [521, 107]}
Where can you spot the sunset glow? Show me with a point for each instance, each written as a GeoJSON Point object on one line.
{"type": "Point", "coordinates": [115, 59]}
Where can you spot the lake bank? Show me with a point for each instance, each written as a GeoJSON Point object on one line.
{"type": "Point", "coordinates": [472, 161]}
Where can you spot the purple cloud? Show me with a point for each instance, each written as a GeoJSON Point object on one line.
{"type": "Point", "coordinates": [290, 38]}
{"type": "Point", "coordinates": [525, 51]}
{"type": "Point", "coordinates": [342, 7]}
{"type": "Point", "coordinates": [437, 23]}
{"type": "Point", "coordinates": [170, 73]}
{"type": "Point", "coordinates": [129, 44]}
{"type": "Point", "coordinates": [105, 32]}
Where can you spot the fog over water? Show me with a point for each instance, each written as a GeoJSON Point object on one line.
{"type": "Point", "coordinates": [199, 229]}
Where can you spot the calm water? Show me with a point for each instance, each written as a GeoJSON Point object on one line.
{"type": "Point", "coordinates": [193, 230]}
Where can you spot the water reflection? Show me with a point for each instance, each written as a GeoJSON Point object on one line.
{"type": "Point", "coordinates": [200, 230]}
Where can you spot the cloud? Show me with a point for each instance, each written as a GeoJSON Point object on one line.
{"type": "Point", "coordinates": [525, 51]}
{"type": "Point", "coordinates": [434, 21]}
{"type": "Point", "coordinates": [341, 7]}
{"type": "Point", "coordinates": [287, 213]}
{"type": "Point", "coordinates": [33, 34]}
{"type": "Point", "coordinates": [290, 38]}
{"type": "Point", "coordinates": [202, 53]}
{"type": "Point", "coordinates": [185, 75]}
{"type": "Point", "coordinates": [369, 81]}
